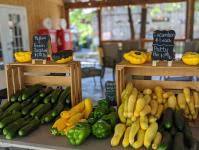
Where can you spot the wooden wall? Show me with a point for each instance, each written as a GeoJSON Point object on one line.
{"type": "Point", "coordinates": [37, 10]}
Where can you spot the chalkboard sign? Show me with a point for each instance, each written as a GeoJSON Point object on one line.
{"type": "Point", "coordinates": [163, 44]}
{"type": "Point", "coordinates": [110, 92]}
{"type": "Point", "coordinates": [40, 47]}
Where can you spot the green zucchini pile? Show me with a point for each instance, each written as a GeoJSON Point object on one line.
{"type": "Point", "coordinates": [175, 130]}
{"type": "Point", "coordinates": [30, 107]}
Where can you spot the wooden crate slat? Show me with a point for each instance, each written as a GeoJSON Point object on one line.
{"type": "Point", "coordinates": [15, 76]}
{"type": "Point", "coordinates": [21, 77]}
{"type": "Point", "coordinates": [47, 80]}
{"type": "Point", "coordinates": [72, 87]}
{"type": "Point", "coordinates": [153, 71]}
{"type": "Point", "coordinates": [141, 84]}
{"type": "Point", "coordinates": [9, 79]}
{"type": "Point", "coordinates": [45, 69]}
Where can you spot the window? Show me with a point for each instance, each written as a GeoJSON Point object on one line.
{"type": "Point", "coordinates": [196, 21]}
{"type": "Point", "coordinates": [169, 16]}
{"type": "Point", "coordinates": [115, 24]}
{"type": "Point", "coordinates": [165, 17]}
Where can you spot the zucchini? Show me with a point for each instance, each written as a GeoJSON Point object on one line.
{"type": "Point", "coordinates": [43, 110]}
{"type": "Point", "coordinates": [5, 115]}
{"type": "Point", "coordinates": [57, 109]}
{"type": "Point", "coordinates": [173, 131]}
{"type": "Point", "coordinates": [47, 99]}
{"type": "Point", "coordinates": [11, 130]}
{"type": "Point", "coordinates": [20, 98]}
{"type": "Point", "coordinates": [188, 138]}
{"type": "Point", "coordinates": [168, 118]}
{"type": "Point", "coordinates": [63, 96]}
{"type": "Point", "coordinates": [55, 95]}
{"type": "Point", "coordinates": [31, 91]}
{"type": "Point", "coordinates": [166, 143]}
{"type": "Point", "coordinates": [36, 109]}
{"type": "Point", "coordinates": [5, 106]}
{"type": "Point", "coordinates": [68, 101]}
{"type": "Point", "coordinates": [179, 120]}
{"type": "Point", "coordinates": [25, 103]}
{"type": "Point", "coordinates": [46, 91]}
{"type": "Point", "coordinates": [36, 99]}
{"type": "Point", "coordinates": [46, 118]}
{"type": "Point", "coordinates": [178, 142]}
{"type": "Point", "coordinates": [33, 124]}
{"type": "Point", "coordinates": [13, 107]}
{"type": "Point", "coordinates": [15, 96]}
{"type": "Point", "coordinates": [9, 119]}
{"type": "Point", "coordinates": [28, 108]}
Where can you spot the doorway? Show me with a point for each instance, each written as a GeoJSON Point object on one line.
{"type": "Point", "coordinates": [13, 35]}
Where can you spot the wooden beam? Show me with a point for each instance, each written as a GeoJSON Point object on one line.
{"type": "Point", "coordinates": [99, 19]}
{"type": "Point", "coordinates": [190, 19]}
{"type": "Point", "coordinates": [67, 14]}
{"type": "Point", "coordinates": [112, 3]}
{"type": "Point", "coordinates": [131, 23]}
{"type": "Point", "coordinates": [143, 24]}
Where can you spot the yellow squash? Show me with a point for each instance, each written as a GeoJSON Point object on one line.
{"type": "Point", "coordinates": [125, 142]}
{"type": "Point", "coordinates": [159, 112]}
{"type": "Point", "coordinates": [119, 131]}
{"type": "Point", "coordinates": [146, 110]}
{"type": "Point", "coordinates": [88, 107]}
{"type": "Point", "coordinates": [181, 101]}
{"type": "Point", "coordinates": [159, 94]}
{"type": "Point", "coordinates": [187, 94]}
{"type": "Point", "coordinates": [172, 102]}
{"type": "Point", "coordinates": [121, 113]}
{"type": "Point", "coordinates": [134, 130]}
{"type": "Point", "coordinates": [191, 58]}
{"type": "Point", "coordinates": [136, 57]}
{"type": "Point", "coordinates": [59, 124]}
{"type": "Point", "coordinates": [140, 139]}
{"type": "Point", "coordinates": [150, 134]}
{"type": "Point", "coordinates": [64, 60]}
{"type": "Point", "coordinates": [196, 99]}
{"type": "Point", "coordinates": [144, 122]}
{"type": "Point", "coordinates": [23, 57]}
{"type": "Point", "coordinates": [76, 109]}
{"type": "Point", "coordinates": [154, 106]}
{"type": "Point", "coordinates": [74, 119]}
{"type": "Point", "coordinates": [147, 91]}
{"type": "Point", "coordinates": [157, 140]}
{"type": "Point", "coordinates": [139, 106]}
{"type": "Point", "coordinates": [132, 102]}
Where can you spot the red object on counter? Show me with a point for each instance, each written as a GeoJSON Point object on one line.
{"type": "Point", "coordinates": [53, 38]}
{"type": "Point", "coordinates": [64, 40]}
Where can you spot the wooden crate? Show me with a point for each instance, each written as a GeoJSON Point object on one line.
{"type": "Point", "coordinates": [21, 74]}
{"type": "Point", "coordinates": [125, 71]}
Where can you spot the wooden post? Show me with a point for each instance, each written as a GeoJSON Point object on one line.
{"type": "Point", "coordinates": [99, 18]}
{"type": "Point", "coordinates": [190, 19]}
{"type": "Point", "coordinates": [143, 24]}
{"type": "Point", "coordinates": [67, 11]}
{"type": "Point", "coordinates": [131, 23]}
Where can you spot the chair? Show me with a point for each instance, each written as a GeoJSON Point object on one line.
{"type": "Point", "coordinates": [112, 52]}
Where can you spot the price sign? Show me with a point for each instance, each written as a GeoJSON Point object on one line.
{"type": "Point", "coordinates": [40, 47]}
{"type": "Point", "coordinates": [110, 92]}
{"type": "Point", "coordinates": [163, 44]}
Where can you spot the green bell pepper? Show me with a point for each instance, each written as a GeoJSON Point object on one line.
{"type": "Point", "coordinates": [111, 118]}
{"type": "Point", "coordinates": [104, 103]}
{"type": "Point", "coordinates": [101, 129]}
{"type": "Point", "coordinates": [79, 133]}
{"type": "Point", "coordinates": [100, 111]}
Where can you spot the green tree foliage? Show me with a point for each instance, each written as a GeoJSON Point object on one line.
{"type": "Point", "coordinates": [82, 20]}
